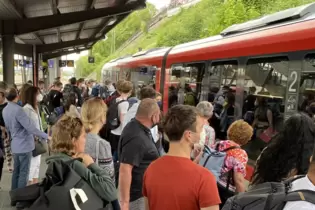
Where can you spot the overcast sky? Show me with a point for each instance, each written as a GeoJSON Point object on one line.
{"type": "Point", "coordinates": [159, 3]}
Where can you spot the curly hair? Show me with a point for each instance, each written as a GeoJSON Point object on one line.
{"type": "Point", "coordinates": [63, 132]}
{"type": "Point", "coordinates": [92, 112]}
{"type": "Point", "coordinates": [240, 132]}
{"type": "Point", "coordinates": [289, 150]}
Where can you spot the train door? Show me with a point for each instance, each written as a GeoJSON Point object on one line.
{"type": "Point", "coordinates": [183, 85]}
{"type": "Point", "coordinates": [266, 84]}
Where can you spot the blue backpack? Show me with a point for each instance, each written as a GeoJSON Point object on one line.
{"type": "Point", "coordinates": [213, 159]}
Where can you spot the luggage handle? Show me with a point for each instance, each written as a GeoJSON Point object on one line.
{"type": "Point", "coordinates": [73, 193]}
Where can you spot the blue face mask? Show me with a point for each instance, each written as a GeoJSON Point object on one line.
{"type": "Point", "coordinates": [159, 103]}
{"type": "Point", "coordinates": [20, 103]}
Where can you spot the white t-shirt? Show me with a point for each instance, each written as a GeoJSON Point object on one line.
{"type": "Point", "coordinates": [301, 184]}
{"type": "Point", "coordinates": [122, 110]}
{"type": "Point", "coordinates": [132, 114]}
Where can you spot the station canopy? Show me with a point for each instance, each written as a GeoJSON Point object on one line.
{"type": "Point", "coordinates": [60, 27]}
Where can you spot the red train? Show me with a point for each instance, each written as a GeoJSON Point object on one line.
{"type": "Point", "coordinates": [275, 54]}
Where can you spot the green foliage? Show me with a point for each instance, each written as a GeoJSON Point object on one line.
{"type": "Point", "coordinates": [116, 37]}
{"type": "Point", "coordinates": [207, 18]}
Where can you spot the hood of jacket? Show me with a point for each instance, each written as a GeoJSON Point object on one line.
{"type": "Point", "coordinates": [58, 157]}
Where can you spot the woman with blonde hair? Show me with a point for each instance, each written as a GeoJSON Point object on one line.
{"type": "Point", "coordinates": [68, 142]}
{"type": "Point", "coordinates": [93, 115]}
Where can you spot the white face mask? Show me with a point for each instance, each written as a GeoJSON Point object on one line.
{"type": "Point", "coordinates": [39, 97]}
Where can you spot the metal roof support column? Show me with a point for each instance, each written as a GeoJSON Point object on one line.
{"type": "Point", "coordinates": [58, 67]}
{"type": "Point", "coordinates": [35, 59]}
{"type": "Point", "coordinates": [8, 59]}
{"type": "Point", "coordinates": [45, 72]}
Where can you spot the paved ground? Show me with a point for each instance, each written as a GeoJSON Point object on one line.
{"type": "Point", "coordinates": [5, 185]}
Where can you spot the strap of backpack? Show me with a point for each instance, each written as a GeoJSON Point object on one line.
{"type": "Point", "coordinates": [230, 148]}
{"type": "Point", "coordinates": [97, 151]}
{"type": "Point", "coordinates": [301, 195]}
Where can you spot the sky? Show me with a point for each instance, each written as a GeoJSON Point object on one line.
{"type": "Point", "coordinates": [159, 3]}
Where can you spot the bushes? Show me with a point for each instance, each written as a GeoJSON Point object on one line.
{"type": "Point", "coordinates": [207, 18]}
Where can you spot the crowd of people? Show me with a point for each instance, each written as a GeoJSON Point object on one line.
{"type": "Point", "coordinates": [136, 158]}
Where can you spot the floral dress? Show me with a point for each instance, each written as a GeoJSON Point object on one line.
{"type": "Point", "coordinates": [236, 159]}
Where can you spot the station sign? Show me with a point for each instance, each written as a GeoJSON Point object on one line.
{"type": "Point", "coordinates": [23, 63]}
{"type": "Point", "coordinates": [70, 63]}
{"type": "Point", "coordinates": [62, 63]}
{"type": "Point", "coordinates": [91, 59]}
{"type": "Point", "coordinates": [51, 63]}
{"type": "Point", "coordinates": [66, 63]}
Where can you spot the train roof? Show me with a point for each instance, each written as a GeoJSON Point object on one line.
{"type": "Point", "coordinates": [278, 28]}
{"type": "Point", "coordinates": [147, 57]}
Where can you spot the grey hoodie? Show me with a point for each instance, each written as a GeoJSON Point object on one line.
{"type": "Point", "coordinates": [98, 178]}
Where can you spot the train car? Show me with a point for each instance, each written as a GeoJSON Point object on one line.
{"type": "Point", "coordinates": [111, 70]}
{"type": "Point", "coordinates": [273, 55]}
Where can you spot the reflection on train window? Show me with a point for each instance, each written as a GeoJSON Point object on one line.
{"type": "Point", "coordinates": [220, 74]}
{"type": "Point", "coordinates": [307, 86]}
{"type": "Point", "coordinates": [185, 84]}
{"type": "Point", "coordinates": [220, 87]}
{"type": "Point", "coordinates": [111, 74]}
{"type": "Point", "coordinates": [264, 101]}
{"type": "Point", "coordinates": [142, 76]}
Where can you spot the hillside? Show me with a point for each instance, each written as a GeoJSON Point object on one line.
{"type": "Point", "coordinates": [205, 19]}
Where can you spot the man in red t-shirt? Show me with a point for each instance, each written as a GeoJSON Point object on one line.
{"type": "Point", "coordinates": [174, 181]}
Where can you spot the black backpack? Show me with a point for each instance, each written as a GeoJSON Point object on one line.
{"type": "Point", "coordinates": [62, 188]}
{"type": "Point", "coordinates": [112, 117]}
{"type": "Point", "coordinates": [269, 196]}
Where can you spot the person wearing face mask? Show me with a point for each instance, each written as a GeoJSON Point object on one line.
{"type": "Point", "coordinates": [32, 98]}
{"type": "Point", "coordinates": [136, 150]}
{"type": "Point", "coordinates": [174, 181]}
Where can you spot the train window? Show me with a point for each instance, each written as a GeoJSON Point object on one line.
{"type": "Point", "coordinates": [111, 74]}
{"type": "Point", "coordinates": [186, 83]}
{"type": "Point", "coordinates": [219, 74]}
{"type": "Point", "coordinates": [307, 86]}
{"type": "Point", "coordinates": [142, 76]}
{"type": "Point", "coordinates": [265, 85]}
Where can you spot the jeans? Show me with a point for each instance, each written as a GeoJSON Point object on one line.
{"type": "Point", "coordinates": [22, 162]}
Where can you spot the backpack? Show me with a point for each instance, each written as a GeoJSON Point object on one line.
{"type": "Point", "coordinates": [62, 188]}
{"type": "Point", "coordinates": [55, 115]}
{"type": "Point", "coordinates": [96, 91]}
{"type": "Point", "coordinates": [269, 196]}
{"type": "Point", "coordinates": [70, 89]}
{"type": "Point", "coordinates": [190, 99]}
{"type": "Point", "coordinates": [112, 117]}
{"type": "Point", "coordinates": [213, 159]}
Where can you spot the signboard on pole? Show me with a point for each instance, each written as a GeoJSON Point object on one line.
{"type": "Point", "coordinates": [91, 59]}
{"type": "Point", "coordinates": [70, 63]}
{"type": "Point", "coordinates": [66, 63]}
{"type": "Point", "coordinates": [62, 63]}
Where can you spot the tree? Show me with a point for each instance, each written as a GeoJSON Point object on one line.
{"type": "Point", "coordinates": [116, 37]}
{"type": "Point", "coordinates": [205, 19]}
